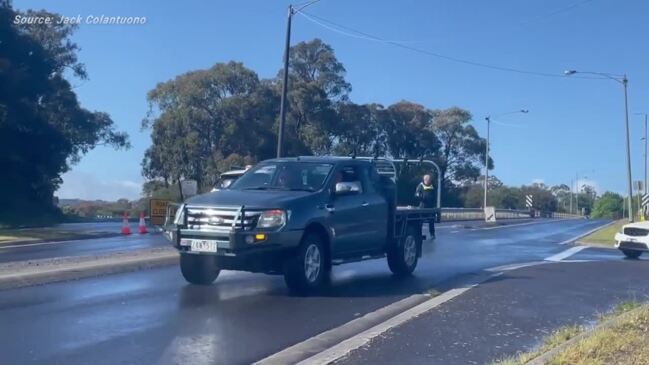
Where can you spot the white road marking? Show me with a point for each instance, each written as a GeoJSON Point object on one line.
{"type": "Point", "coordinates": [515, 266]}
{"type": "Point", "coordinates": [324, 340]}
{"type": "Point", "coordinates": [518, 225]}
{"type": "Point", "coordinates": [345, 347]}
{"type": "Point", "coordinates": [565, 254]}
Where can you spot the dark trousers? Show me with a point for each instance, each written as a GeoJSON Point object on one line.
{"type": "Point", "coordinates": [431, 223]}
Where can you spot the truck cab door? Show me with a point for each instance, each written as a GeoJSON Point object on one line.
{"type": "Point", "coordinates": [376, 209]}
{"type": "Point", "coordinates": [347, 212]}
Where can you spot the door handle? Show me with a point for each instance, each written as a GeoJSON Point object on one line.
{"type": "Point", "coordinates": [365, 204]}
{"type": "Point", "coordinates": [329, 207]}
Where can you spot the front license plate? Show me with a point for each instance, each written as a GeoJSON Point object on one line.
{"type": "Point", "coordinates": [203, 246]}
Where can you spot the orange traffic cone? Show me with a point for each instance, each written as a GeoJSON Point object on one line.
{"type": "Point", "coordinates": [125, 227]}
{"type": "Point", "coordinates": [142, 225]}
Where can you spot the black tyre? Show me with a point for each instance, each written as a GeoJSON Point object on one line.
{"type": "Point", "coordinates": [403, 256]}
{"type": "Point", "coordinates": [632, 254]}
{"type": "Point", "coordinates": [307, 271]}
{"type": "Point", "coordinates": [199, 269]}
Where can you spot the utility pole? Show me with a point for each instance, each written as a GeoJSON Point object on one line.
{"type": "Point", "coordinates": [645, 139]}
{"type": "Point", "coordinates": [486, 163]}
{"type": "Point", "coordinates": [625, 82]}
{"type": "Point", "coordinates": [571, 196]}
{"type": "Point", "coordinates": [577, 194]}
{"type": "Point", "coordinates": [282, 107]}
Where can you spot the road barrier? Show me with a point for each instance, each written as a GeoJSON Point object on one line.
{"type": "Point", "coordinates": [469, 214]}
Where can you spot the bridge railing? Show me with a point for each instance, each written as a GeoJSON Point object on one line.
{"type": "Point", "coordinates": [467, 214]}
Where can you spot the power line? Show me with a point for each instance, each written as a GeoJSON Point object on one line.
{"type": "Point", "coordinates": [556, 12]}
{"type": "Point", "coordinates": [354, 33]}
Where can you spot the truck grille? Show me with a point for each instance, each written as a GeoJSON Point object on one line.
{"type": "Point", "coordinates": [636, 232]}
{"type": "Point", "coordinates": [220, 218]}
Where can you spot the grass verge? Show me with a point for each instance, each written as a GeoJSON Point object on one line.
{"type": "Point", "coordinates": [604, 236]}
{"type": "Point", "coordinates": [624, 341]}
{"type": "Point", "coordinates": [555, 339]}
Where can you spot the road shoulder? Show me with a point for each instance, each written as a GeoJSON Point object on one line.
{"type": "Point", "coordinates": [508, 314]}
{"type": "Point", "coordinates": [36, 272]}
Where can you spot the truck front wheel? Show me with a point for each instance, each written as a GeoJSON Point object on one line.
{"type": "Point", "coordinates": [403, 255]}
{"type": "Point", "coordinates": [306, 271]}
{"type": "Point", "coordinates": [198, 269]}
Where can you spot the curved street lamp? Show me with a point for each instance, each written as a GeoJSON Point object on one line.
{"type": "Point", "coordinates": [624, 81]}
{"type": "Point", "coordinates": [486, 159]}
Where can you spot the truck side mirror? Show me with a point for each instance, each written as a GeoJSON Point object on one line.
{"type": "Point", "coordinates": [346, 188]}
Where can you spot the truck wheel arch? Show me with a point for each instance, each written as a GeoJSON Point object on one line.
{"type": "Point", "coordinates": [319, 229]}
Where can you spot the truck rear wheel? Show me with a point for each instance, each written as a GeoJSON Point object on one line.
{"type": "Point", "coordinates": [307, 270]}
{"type": "Point", "coordinates": [403, 255]}
{"type": "Point", "coordinates": [198, 269]}
{"type": "Point", "coordinates": [632, 254]}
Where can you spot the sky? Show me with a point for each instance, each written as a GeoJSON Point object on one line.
{"type": "Point", "coordinates": [575, 126]}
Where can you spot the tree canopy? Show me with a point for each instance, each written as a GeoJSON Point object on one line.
{"type": "Point", "coordinates": [43, 128]}
{"type": "Point", "coordinates": [205, 120]}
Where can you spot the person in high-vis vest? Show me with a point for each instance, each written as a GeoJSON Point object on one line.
{"type": "Point", "coordinates": [424, 194]}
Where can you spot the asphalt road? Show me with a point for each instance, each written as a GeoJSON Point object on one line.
{"type": "Point", "coordinates": [94, 246]}
{"type": "Point", "coordinates": [154, 316]}
{"type": "Point", "coordinates": [511, 313]}
{"type": "Point", "coordinates": [98, 246]}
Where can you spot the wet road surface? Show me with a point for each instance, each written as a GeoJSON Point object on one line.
{"type": "Point", "coordinates": [98, 246]}
{"type": "Point", "coordinates": [510, 313]}
{"type": "Point", "coordinates": [154, 316]}
{"type": "Point", "coordinates": [94, 246]}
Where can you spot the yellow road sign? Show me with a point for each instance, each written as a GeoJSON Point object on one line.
{"type": "Point", "coordinates": [158, 211]}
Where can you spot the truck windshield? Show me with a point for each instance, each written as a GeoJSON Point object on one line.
{"type": "Point", "coordinates": [298, 176]}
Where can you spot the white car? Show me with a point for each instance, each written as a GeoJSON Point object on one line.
{"type": "Point", "coordinates": [634, 239]}
{"type": "Point", "coordinates": [227, 178]}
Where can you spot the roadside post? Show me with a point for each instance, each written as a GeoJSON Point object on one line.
{"type": "Point", "coordinates": [529, 203]}
{"type": "Point", "coordinates": [645, 204]}
{"type": "Point", "coordinates": [490, 214]}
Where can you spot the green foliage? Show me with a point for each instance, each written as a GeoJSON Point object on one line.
{"type": "Point", "coordinates": [509, 197]}
{"type": "Point", "coordinates": [43, 129]}
{"type": "Point", "coordinates": [462, 149]}
{"type": "Point", "coordinates": [204, 120]}
{"type": "Point", "coordinates": [609, 205]}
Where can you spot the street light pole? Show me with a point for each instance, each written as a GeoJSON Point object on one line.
{"type": "Point", "coordinates": [486, 163]}
{"type": "Point", "coordinates": [622, 79]}
{"type": "Point", "coordinates": [625, 82]}
{"type": "Point", "coordinates": [571, 197]}
{"type": "Point", "coordinates": [282, 107]}
{"type": "Point", "coordinates": [645, 139]}
{"type": "Point", "coordinates": [577, 193]}
{"type": "Point", "coordinates": [486, 158]}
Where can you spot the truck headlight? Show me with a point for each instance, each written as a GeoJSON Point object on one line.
{"type": "Point", "coordinates": [272, 219]}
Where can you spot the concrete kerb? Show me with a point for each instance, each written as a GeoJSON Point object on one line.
{"type": "Point", "coordinates": [37, 272]}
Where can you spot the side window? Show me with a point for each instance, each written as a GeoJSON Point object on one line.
{"type": "Point", "coordinates": [369, 178]}
{"type": "Point", "coordinates": [351, 177]}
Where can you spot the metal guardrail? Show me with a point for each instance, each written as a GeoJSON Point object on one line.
{"type": "Point", "coordinates": [467, 214]}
